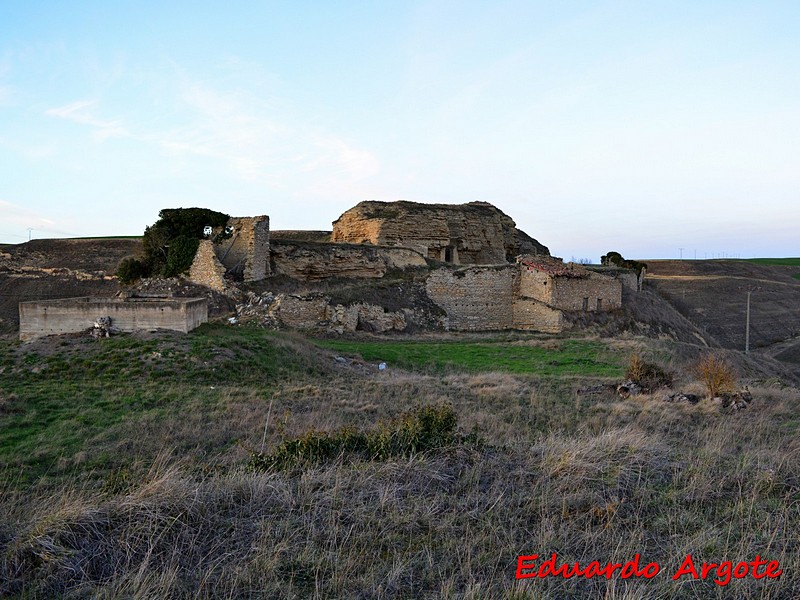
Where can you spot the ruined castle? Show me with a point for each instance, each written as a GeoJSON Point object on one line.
{"type": "Point", "coordinates": [481, 271]}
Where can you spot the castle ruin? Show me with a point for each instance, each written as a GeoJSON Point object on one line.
{"type": "Point", "coordinates": [480, 273]}
{"type": "Point", "coordinates": [505, 279]}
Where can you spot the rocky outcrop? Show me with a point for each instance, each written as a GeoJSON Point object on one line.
{"type": "Point", "coordinates": [309, 261]}
{"type": "Point", "coordinates": [473, 233]}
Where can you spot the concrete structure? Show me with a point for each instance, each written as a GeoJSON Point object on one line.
{"type": "Point", "coordinates": [473, 233]}
{"type": "Point", "coordinates": [73, 315]}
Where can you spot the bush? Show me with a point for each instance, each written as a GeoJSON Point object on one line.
{"type": "Point", "coordinates": [646, 375]}
{"type": "Point", "coordinates": [717, 375]}
{"type": "Point", "coordinates": [130, 269]}
{"type": "Point", "coordinates": [180, 255]}
{"type": "Point", "coordinates": [419, 430]}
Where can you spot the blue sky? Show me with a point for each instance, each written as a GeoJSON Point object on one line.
{"type": "Point", "coordinates": [642, 127]}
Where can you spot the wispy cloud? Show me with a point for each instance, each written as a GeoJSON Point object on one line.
{"type": "Point", "coordinates": [16, 220]}
{"type": "Point", "coordinates": [256, 142]}
{"type": "Point", "coordinates": [82, 112]}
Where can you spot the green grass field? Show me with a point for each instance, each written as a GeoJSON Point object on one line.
{"type": "Point", "coordinates": [57, 400]}
{"type": "Point", "coordinates": [789, 262]}
{"type": "Point", "coordinates": [565, 359]}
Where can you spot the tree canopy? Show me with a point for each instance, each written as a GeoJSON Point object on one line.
{"type": "Point", "coordinates": [169, 244]}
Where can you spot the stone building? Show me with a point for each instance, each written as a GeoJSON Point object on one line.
{"type": "Point", "coordinates": [473, 233]}
{"type": "Point", "coordinates": [532, 294]}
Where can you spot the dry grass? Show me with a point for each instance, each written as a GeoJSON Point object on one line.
{"type": "Point", "coordinates": [589, 478]}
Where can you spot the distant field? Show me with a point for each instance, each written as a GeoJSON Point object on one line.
{"type": "Point", "coordinates": [568, 358]}
{"type": "Point", "coordinates": [786, 262]}
{"type": "Point", "coordinates": [789, 262]}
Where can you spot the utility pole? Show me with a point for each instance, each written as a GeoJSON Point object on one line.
{"type": "Point", "coordinates": [681, 249]}
{"type": "Point", "coordinates": [29, 233]}
{"type": "Point", "coordinates": [747, 326]}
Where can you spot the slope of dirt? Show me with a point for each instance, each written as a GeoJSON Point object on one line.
{"type": "Point", "coordinates": [712, 294]}
{"type": "Point", "coordinates": [43, 269]}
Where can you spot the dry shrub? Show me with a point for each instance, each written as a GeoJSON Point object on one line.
{"type": "Point", "coordinates": [716, 374]}
{"type": "Point", "coordinates": [647, 375]}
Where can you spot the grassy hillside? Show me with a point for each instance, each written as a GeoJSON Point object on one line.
{"type": "Point", "coordinates": [127, 470]}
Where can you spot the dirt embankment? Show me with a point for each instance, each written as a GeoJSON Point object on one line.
{"type": "Point", "coordinates": [42, 269]}
{"type": "Point", "coordinates": [712, 294]}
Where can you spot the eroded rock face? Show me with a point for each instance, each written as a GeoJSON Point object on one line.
{"type": "Point", "coordinates": [473, 233]}
{"type": "Point", "coordinates": [308, 261]}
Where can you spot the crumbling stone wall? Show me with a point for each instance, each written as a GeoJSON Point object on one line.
{"type": "Point", "coordinates": [301, 312]}
{"type": "Point", "coordinates": [475, 298]}
{"type": "Point", "coordinates": [206, 269]}
{"type": "Point", "coordinates": [573, 288]}
{"type": "Point", "coordinates": [311, 261]}
{"type": "Point", "coordinates": [629, 278]}
{"type": "Point", "coordinates": [473, 233]}
{"type": "Point", "coordinates": [246, 253]}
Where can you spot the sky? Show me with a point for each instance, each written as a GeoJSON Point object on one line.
{"type": "Point", "coordinates": [655, 129]}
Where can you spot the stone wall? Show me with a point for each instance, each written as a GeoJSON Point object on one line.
{"type": "Point", "coordinates": [206, 269]}
{"type": "Point", "coordinates": [473, 233]}
{"type": "Point", "coordinates": [246, 253]}
{"type": "Point", "coordinates": [300, 312]}
{"type": "Point", "coordinates": [531, 314]}
{"type": "Point", "coordinates": [583, 291]}
{"type": "Point", "coordinates": [475, 298]}
{"type": "Point", "coordinates": [73, 315]}
{"type": "Point", "coordinates": [595, 292]}
{"type": "Point", "coordinates": [629, 278]}
{"type": "Point", "coordinates": [311, 261]}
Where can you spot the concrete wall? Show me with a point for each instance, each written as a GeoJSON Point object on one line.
{"type": "Point", "coordinates": [311, 261]}
{"type": "Point", "coordinates": [475, 298]}
{"type": "Point", "coordinates": [72, 315]}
